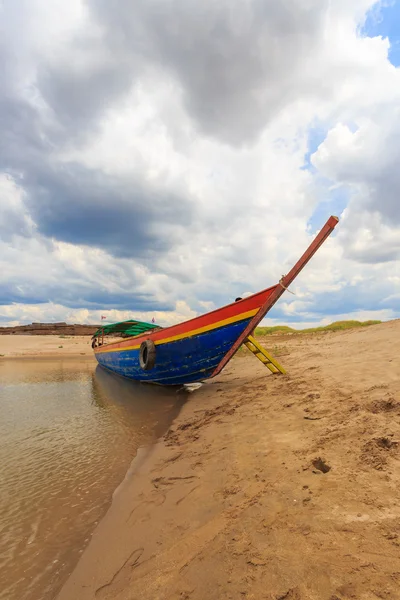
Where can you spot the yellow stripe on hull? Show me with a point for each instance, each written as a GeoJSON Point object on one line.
{"type": "Point", "coordinates": [180, 336]}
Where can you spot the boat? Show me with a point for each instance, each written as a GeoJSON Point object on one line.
{"type": "Point", "coordinates": [199, 348]}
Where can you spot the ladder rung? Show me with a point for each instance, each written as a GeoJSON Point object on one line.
{"type": "Point", "coordinates": [263, 356]}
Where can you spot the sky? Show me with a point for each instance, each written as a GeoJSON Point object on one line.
{"type": "Point", "coordinates": [159, 158]}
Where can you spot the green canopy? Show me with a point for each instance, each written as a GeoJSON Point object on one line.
{"type": "Point", "coordinates": [126, 328]}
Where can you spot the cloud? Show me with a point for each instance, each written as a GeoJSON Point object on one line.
{"type": "Point", "coordinates": [237, 65]}
{"type": "Point", "coordinates": [13, 217]}
{"type": "Point", "coordinates": [53, 312]}
{"type": "Point", "coordinates": [157, 156]}
{"type": "Point", "coordinates": [76, 277]}
{"type": "Point", "coordinates": [126, 217]}
{"type": "Point", "coordinates": [65, 200]}
{"type": "Point", "coordinates": [364, 160]}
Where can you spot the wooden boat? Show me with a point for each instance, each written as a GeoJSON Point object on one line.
{"type": "Point", "coordinates": [196, 349]}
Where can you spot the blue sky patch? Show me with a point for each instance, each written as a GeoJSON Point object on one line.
{"type": "Point", "coordinates": [334, 204]}
{"type": "Point", "coordinates": [316, 136]}
{"type": "Point", "coordinates": [385, 21]}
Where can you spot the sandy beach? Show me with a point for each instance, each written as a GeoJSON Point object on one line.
{"type": "Point", "coordinates": [44, 346]}
{"type": "Point", "coordinates": [276, 487]}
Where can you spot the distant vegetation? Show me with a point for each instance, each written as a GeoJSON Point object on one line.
{"type": "Point", "coordinates": [337, 326]}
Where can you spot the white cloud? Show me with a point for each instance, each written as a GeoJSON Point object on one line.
{"type": "Point", "coordinates": [226, 138]}
{"type": "Point", "coordinates": [364, 162]}
{"type": "Point", "coordinates": [19, 313]}
{"type": "Point", "coordinates": [14, 220]}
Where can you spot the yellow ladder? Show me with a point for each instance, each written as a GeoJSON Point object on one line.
{"type": "Point", "coordinates": [262, 355]}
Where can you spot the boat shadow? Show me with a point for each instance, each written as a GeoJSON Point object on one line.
{"type": "Point", "coordinates": [140, 401]}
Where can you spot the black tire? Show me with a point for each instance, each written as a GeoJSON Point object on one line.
{"type": "Point", "coordinates": [147, 355]}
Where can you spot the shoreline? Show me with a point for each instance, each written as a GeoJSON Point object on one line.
{"type": "Point", "coordinates": [265, 486]}
{"type": "Point", "coordinates": [88, 431]}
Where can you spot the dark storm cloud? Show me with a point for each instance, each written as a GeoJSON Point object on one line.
{"type": "Point", "coordinates": [73, 294]}
{"type": "Point", "coordinates": [10, 293]}
{"type": "Point", "coordinates": [66, 201]}
{"type": "Point", "coordinates": [23, 140]}
{"type": "Point", "coordinates": [72, 203]}
{"type": "Point", "coordinates": [384, 186]}
{"type": "Point", "coordinates": [238, 63]}
{"type": "Point", "coordinates": [79, 95]}
{"type": "Point", "coordinates": [378, 251]}
{"type": "Point", "coordinates": [12, 222]}
{"type": "Point", "coordinates": [82, 206]}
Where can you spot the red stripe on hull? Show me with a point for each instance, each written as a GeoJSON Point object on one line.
{"type": "Point", "coordinates": [231, 310]}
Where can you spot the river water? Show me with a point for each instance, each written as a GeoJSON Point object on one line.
{"type": "Point", "coordinates": [68, 433]}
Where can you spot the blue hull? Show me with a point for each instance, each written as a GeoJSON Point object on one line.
{"type": "Point", "coordinates": [182, 361]}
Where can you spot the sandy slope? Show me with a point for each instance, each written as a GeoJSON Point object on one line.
{"type": "Point", "coordinates": [233, 503]}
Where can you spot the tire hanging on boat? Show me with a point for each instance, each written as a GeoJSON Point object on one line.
{"type": "Point", "coordinates": [147, 355]}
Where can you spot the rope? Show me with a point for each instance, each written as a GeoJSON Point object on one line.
{"type": "Point", "coordinates": [284, 287]}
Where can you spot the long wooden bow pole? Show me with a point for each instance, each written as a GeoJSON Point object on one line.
{"type": "Point", "coordinates": [280, 289]}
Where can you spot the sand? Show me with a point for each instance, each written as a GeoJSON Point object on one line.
{"type": "Point", "coordinates": [275, 487]}
{"type": "Point", "coordinates": [44, 346]}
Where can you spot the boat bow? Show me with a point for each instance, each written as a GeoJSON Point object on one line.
{"type": "Point", "coordinates": [282, 286]}
{"type": "Point", "coordinates": [201, 347]}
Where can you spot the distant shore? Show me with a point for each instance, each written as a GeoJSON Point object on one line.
{"type": "Point", "coordinates": [60, 328]}
{"type": "Point", "coordinates": [266, 486]}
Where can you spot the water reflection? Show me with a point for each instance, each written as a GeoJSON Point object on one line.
{"type": "Point", "coordinates": [155, 405]}
{"type": "Point", "coordinates": [68, 433]}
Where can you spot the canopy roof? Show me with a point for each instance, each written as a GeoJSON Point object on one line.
{"type": "Point", "coordinates": [125, 328]}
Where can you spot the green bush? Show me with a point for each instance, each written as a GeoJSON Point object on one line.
{"type": "Point", "coordinates": [336, 326]}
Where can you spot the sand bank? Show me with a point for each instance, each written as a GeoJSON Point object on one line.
{"type": "Point", "coordinates": [278, 487]}
{"type": "Point", "coordinates": [44, 346]}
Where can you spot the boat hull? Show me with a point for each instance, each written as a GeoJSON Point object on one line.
{"type": "Point", "coordinates": [187, 360]}
{"type": "Point", "coordinates": [188, 352]}
{"type": "Point", "coordinates": [200, 348]}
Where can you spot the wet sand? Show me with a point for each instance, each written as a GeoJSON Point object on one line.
{"type": "Point", "coordinates": [277, 487]}
{"type": "Point", "coordinates": [44, 346]}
